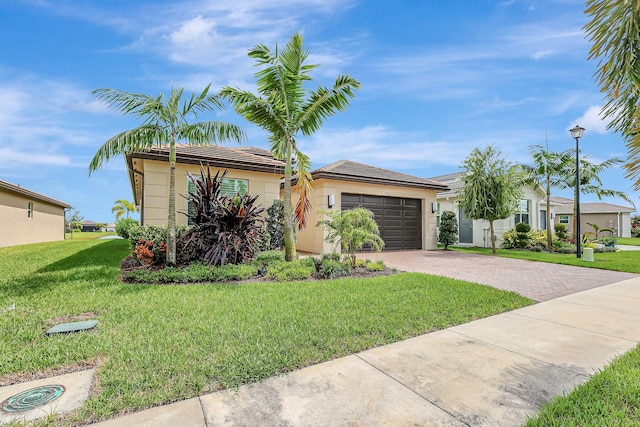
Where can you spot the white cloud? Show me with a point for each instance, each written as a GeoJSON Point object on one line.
{"type": "Point", "coordinates": [592, 120]}
{"type": "Point", "coordinates": [13, 159]}
{"type": "Point", "coordinates": [383, 147]}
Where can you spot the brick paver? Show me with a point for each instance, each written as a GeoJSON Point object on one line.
{"type": "Point", "coordinates": [539, 281]}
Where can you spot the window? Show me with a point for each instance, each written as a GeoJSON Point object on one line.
{"type": "Point", "coordinates": [564, 219]}
{"type": "Point", "coordinates": [523, 214]}
{"type": "Point", "coordinates": [438, 216]}
{"type": "Point", "coordinates": [543, 219]}
{"type": "Point", "coordinates": [229, 187]}
{"type": "Point", "coordinates": [30, 210]}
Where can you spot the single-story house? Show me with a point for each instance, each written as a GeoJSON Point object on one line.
{"type": "Point", "coordinates": [404, 205]}
{"type": "Point", "coordinates": [110, 227]}
{"type": "Point", "coordinates": [604, 215]}
{"type": "Point", "coordinates": [532, 210]}
{"type": "Point", "coordinates": [29, 217]}
{"type": "Point", "coordinates": [89, 225]}
{"type": "Point", "coordinates": [251, 169]}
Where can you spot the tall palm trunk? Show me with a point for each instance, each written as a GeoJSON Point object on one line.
{"type": "Point", "coordinates": [171, 232]}
{"type": "Point", "coordinates": [289, 223]}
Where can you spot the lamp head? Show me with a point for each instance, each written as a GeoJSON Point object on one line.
{"type": "Point", "coordinates": [577, 132]}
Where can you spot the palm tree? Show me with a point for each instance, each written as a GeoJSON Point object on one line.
{"type": "Point", "coordinates": [546, 172]}
{"type": "Point", "coordinates": [285, 108]}
{"type": "Point", "coordinates": [590, 182]}
{"type": "Point", "coordinates": [614, 30]}
{"type": "Point", "coordinates": [122, 207]}
{"type": "Point", "coordinates": [164, 122]}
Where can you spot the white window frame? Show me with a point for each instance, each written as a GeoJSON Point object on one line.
{"type": "Point", "coordinates": [521, 213]}
{"type": "Point", "coordinates": [563, 219]}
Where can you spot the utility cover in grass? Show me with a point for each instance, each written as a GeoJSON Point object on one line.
{"type": "Point", "coordinates": [72, 327]}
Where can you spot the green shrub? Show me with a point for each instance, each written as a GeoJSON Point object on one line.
{"type": "Point", "coordinates": [288, 271]}
{"type": "Point", "coordinates": [561, 230]}
{"type": "Point", "coordinates": [374, 266]}
{"type": "Point", "coordinates": [330, 269]}
{"type": "Point", "coordinates": [268, 257]}
{"type": "Point", "coordinates": [510, 239]}
{"type": "Point", "coordinates": [522, 230]}
{"type": "Point", "coordinates": [448, 232]}
{"type": "Point", "coordinates": [232, 272]}
{"type": "Point", "coordinates": [568, 249]}
{"type": "Point", "coordinates": [275, 224]}
{"type": "Point", "coordinates": [123, 226]}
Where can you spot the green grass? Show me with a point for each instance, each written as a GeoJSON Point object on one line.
{"type": "Point", "coordinates": [609, 398]}
{"type": "Point", "coordinates": [628, 261]}
{"type": "Point", "coordinates": [163, 343]}
{"type": "Point", "coordinates": [633, 241]}
{"type": "Point", "coordinates": [88, 235]}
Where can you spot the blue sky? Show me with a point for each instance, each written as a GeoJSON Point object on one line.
{"type": "Point", "coordinates": [438, 79]}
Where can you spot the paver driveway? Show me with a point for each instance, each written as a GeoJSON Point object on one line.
{"type": "Point", "coordinates": [539, 281]}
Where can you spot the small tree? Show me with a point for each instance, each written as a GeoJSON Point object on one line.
{"type": "Point", "coordinates": [354, 228]}
{"type": "Point", "coordinates": [448, 234]}
{"type": "Point", "coordinates": [74, 221]}
{"type": "Point", "coordinates": [492, 187]}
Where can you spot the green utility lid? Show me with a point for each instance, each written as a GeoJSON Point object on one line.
{"type": "Point", "coordinates": [72, 327]}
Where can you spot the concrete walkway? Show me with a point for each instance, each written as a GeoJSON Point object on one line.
{"type": "Point", "coordinates": [491, 372]}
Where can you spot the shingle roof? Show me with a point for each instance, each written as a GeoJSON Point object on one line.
{"type": "Point", "coordinates": [452, 180]}
{"type": "Point", "coordinates": [566, 207]}
{"type": "Point", "coordinates": [37, 196]}
{"type": "Point", "coordinates": [244, 158]}
{"type": "Point", "coordinates": [348, 170]}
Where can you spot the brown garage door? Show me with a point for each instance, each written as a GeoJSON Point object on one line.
{"type": "Point", "coordinates": [398, 219]}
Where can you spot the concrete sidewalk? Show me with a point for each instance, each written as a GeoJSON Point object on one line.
{"type": "Point", "coordinates": [491, 372]}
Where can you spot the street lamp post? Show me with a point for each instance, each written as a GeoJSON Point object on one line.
{"type": "Point", "coordinates": [577, 133]}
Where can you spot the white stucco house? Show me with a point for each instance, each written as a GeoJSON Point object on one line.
{"type": "Point", "coordinates": [533, 211]}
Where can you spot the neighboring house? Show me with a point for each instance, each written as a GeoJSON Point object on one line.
{"type": "Point", "coordinates": [251, 170]}
{"type": "Point", "coordinates": [111, 227]}
{"type": "Point", "coordinates": [402, 205]}
{"type": "Point", "coordinates": [604, 215]}
{"type": "Point", "coordinates": [89, 226]}
{"type": "Point", "coordinates": [29, 217]}
{"type": "Point", "coordinates": [532, 210]}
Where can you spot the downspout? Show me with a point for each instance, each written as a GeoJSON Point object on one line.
{"type": "Point", "coordinates": [64, 223]}
{"type": "Point", "coordinates": [141, 194]}
{"type": "Point", "coordinates": [618, 219]}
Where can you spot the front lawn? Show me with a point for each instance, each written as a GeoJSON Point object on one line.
{"type": "Point", "coordinates": [633, 241]}
{"type": "Point", "coordinates": [609, 398]}
{"type": "Point", "coordinates": [628, 261]}
{"type": "Point", "coordinates": [157, 344]}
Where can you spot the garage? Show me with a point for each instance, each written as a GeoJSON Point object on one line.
{"type": "Point", "coordinates": [398, 218]}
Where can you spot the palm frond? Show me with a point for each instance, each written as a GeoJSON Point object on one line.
{"type": "Point", "coordinates": [142, 138]}
{"type": "Point", "coordinates": [303, 187]}
{"type": "Point", "coordinates": [325, 102]}
{"type": "Point", "coordinates": [210, 132]}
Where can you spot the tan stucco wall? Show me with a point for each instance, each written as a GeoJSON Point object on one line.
{"type": "Point", "coordinates": [311, 239]}
{"type": "Point", "coordinates": [619, 222]}
{"type": "Point", "coordinates": [156, 189]}
{"type": "Point", "coordinates": [16, 228]}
